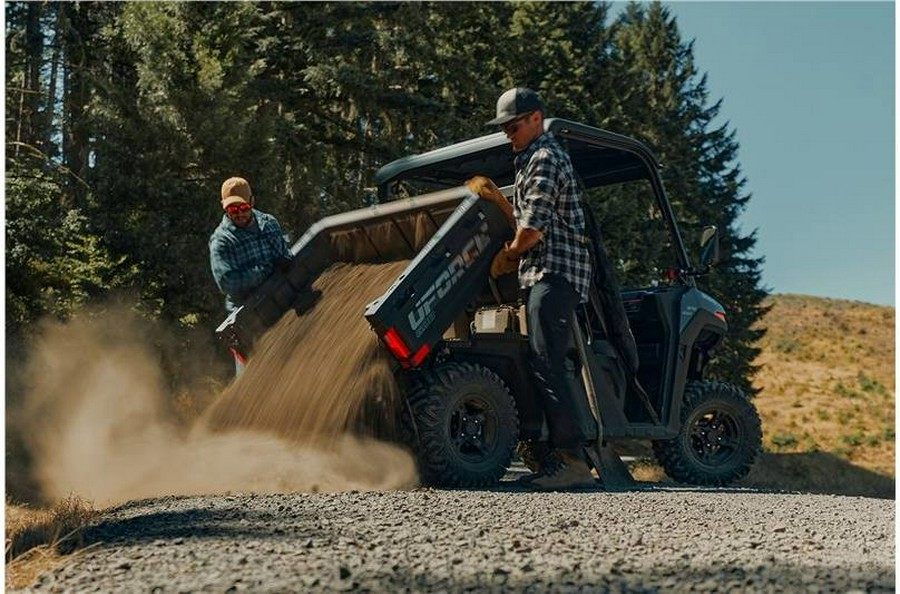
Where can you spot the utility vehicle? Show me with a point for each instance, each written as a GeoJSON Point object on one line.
{"type": "Point", "coordinates": [638, 357]}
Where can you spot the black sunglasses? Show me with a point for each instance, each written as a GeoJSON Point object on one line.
{"type": "Point", "coordinates": [511, 127]}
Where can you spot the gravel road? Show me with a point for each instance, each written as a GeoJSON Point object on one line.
{"type": "Point", "coordinates": [507, 539]}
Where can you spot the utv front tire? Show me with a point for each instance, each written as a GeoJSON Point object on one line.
{"type": "Point", "coordinates": [719, 439]}
{"type": "Point", "coordinates": [466, 425]}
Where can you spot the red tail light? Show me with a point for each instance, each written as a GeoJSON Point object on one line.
{"type": "Point", "coordinates": [237, 355]}
{"type": "Point", "coordinates": [721, 315]}
{"type": "Point", "coordinates": [399, 349]}
{"type": "Point", "coordinates": [420, 355]}
{"type": "Point", "coordinates": [396, 345]}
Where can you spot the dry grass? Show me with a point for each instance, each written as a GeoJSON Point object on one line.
{"type": "Point", "coordinates": [827, 380]}
{"type": "Point", "coordinates": [37, 538]}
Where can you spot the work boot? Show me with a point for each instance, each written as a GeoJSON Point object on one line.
{"type": "Point", "coordinates": [534, 454]}
{"type": "Point", "coordinates": [571, 473]}
{"type": "Point", "coordinates": [539, 461]}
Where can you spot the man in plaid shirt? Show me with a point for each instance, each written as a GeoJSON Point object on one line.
{"type": "Point", "coordinates": [550, 252]}
{"type": "Point", "coordinates": [246, 247]}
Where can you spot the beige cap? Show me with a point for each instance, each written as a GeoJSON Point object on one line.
{"type": "Point", "coordinates": [233, 200]}
{"type": "Point", "coordinates": [234, 190]}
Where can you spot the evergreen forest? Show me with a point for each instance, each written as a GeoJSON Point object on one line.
{"type": "Point", "coordinates": [123, 118]}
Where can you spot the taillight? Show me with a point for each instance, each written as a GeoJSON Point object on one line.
{"type": "Point", "coordinates": [395, 343]}
{"type": "Point", "coordinates": [721, 315]}
{"type": "Point", "coordinates": [420, 355]}
{"type": "Point", "coordinates": [237, 355]}
{"type": "Point", "coordinates": [399, 349]}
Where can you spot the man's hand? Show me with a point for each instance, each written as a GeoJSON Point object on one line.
{"type": "Point", "coordinates": [488, 190]}
{"type": "Point", "coordinates": [504, 262]}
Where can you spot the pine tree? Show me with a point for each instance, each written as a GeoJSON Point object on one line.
{"type": "Point", "coordinates": [665, 103]}
{"type": "Point", "coordinates": [56, 261]}
{"type": "Point", "coordinates": [124, 118]}
{"type": "Point", "coordinates": [559, 50]}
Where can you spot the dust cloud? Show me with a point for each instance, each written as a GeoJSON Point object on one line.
{"type": "Point", "coordinates": [304, 416]}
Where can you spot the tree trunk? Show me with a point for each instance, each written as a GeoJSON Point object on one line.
{"type": "Point", "coordinates": [54, 69]}
{"type": "Point", "coordinates": [77, 35]}
{"type": "Point", "coordinates": [31, 91]}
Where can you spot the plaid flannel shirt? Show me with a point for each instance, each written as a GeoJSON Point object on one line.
{"type": "Point", "coordinates": [547, 199]}
{"type": "Point", "coordinates": [242, 258]}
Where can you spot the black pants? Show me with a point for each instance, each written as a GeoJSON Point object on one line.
{"type": "Point", "coordinates": [550, 315]}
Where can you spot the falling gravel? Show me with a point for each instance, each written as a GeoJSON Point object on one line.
{"type": "Point", "coordinates": [311, 377]}
{"type": "Point", "coordinates": [501, 540]}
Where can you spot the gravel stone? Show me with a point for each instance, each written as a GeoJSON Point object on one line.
{"type": "Point", "coordinates": [505, 540]}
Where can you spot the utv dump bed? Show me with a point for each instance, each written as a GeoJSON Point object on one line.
{"type": "Point", "coordinates": [450, 236]}
{"type": "Point", "coordinates": [447, 275]}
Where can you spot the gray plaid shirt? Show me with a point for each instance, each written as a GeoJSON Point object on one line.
{"type": "Point", "coordinates": [547, 199]}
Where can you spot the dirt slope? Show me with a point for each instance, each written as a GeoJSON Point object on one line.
{"type": "Point", "coordinates": [827, 380]}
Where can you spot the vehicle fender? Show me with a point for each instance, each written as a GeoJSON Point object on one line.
{"type": "Point", "coordinates": [702, 320]}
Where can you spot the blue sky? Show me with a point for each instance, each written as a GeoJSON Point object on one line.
{"type": "Point", "coordinates": [809, 87]}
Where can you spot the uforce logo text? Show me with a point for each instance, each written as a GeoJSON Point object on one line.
{"type": "Point", "coordinates": [423, 311]}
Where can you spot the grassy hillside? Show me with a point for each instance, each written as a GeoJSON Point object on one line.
{"type": "Point", "coordinates": [827, 380]}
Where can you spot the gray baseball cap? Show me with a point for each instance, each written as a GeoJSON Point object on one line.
{"type": "Point", "coordinates": [515, 102]}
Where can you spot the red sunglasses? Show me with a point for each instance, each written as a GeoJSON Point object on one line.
{"type": "Point", "coordinates": [238, 208]}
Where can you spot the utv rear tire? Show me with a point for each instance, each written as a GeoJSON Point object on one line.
{"type": "Point", "coordinates": [719, 439]}
{"type": "Point", "coordinates": [466, 425]}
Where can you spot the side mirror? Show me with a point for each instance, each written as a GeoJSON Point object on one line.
{"type": "Point", "coordinates": [709, 247]}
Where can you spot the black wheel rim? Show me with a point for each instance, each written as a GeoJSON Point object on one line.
{"type": "Point", "coordinates": [473, 429]}
{"type": "Point", "coordinates": [715, 436]}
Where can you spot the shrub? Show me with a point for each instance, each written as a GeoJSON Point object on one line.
{"type": "Point", "coordinates": [868, 384]}
{"type": "Point", "coordinates": [784, 440]}
{"type": "Point", "coordinates": [853, 439]}
{"type": "Point", "coordinates": [841, 390]}
{"type": "Point", "coordinates": [788, 345]}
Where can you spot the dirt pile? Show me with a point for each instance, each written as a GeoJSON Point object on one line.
{"type": "Point", "coordinates": [98, 420]}
{"type": "Point", "coordinates": [315, 377]}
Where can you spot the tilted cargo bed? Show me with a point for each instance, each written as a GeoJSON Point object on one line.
{"type": "Point", "coordinates": [445, 277]}
{"type": "Point", "coordinates": [450, 236]}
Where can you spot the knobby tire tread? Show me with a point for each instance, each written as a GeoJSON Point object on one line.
{"type": "Point", "coordinates": [680, 465]}
{"type": "Point", "coordinates": [429, 397]}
